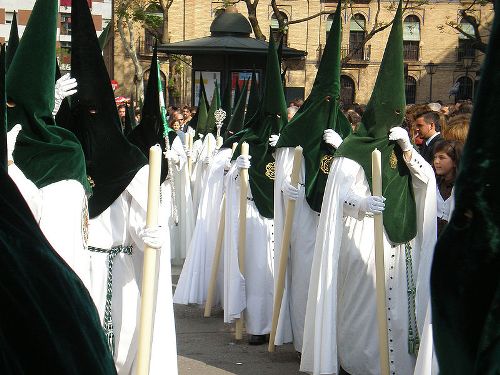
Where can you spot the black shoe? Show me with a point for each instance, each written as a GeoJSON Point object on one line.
{"type": "Point", "coordinates": [257, 339]}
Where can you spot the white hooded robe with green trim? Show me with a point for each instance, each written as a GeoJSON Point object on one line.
{"type": "Point", "coordinates": [341, 319]}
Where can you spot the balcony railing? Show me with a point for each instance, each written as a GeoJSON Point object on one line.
{"type": "Point", "coordinates": [465, 51]}
{"type": "Point", "coordinates": [145, 45]}
{"type": "Point", "coordinates": [412, 52]}
{"type": "Point", "coordinates": [360, 55]}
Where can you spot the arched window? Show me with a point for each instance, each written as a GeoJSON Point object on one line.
{"type": "Point", "coordinates": [410, 89]}
{"type": "Point", "coordinates": [347, 90]}
{"type": "Point", "coordinates": [155, 15]}
{"type": "Point", "coordinates": [357, 29]}
{"type": "Point", "coordinates": [329, 22]}
{"type": "Point", "coordinates": [411, 38]}
{"type": "Point", "coordinates": [465, 89]}
{"type": "Point", "coordinates": [275, 31]}
{"type": "Point", "coordinates": [465, 44]}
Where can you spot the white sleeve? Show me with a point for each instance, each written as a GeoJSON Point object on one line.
{"type": "Point", "coordinates": [31, 194]}
{"type": "Point", "coordinates": [179, 149]}
{"type": "Point", "coordinates": [420, 170]}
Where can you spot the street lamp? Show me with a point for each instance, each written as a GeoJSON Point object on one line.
{"type": "Point", "coordinates": [430, 68]}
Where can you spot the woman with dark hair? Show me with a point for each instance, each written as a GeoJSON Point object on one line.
{"type": "Point", "coordinates": [446, 160]}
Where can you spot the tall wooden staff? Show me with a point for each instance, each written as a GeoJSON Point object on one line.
{"type": "Point", "coordinates": [379, 267]}
{"type": "Point", "coordinates": [285, 248]}
{"type": "Point", "coordinates": [242, 231]}
{"type": "Point", "coordinates": [149, 278]}
{"type": "Point", "coordinates": [189, 140]}
{"type": "Point", "coordinates": [218, 250]}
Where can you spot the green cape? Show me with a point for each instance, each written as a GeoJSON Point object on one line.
{"type": "Point", "coordinates": [48, 321]}
{"type": "Point", "coordinates": [465, 279]}
{"type": "Point", "coordinates": [112, 161]}
{"type": "Point", "coordinates": [238, 117]}
{"type": "Point", "coordinates": [44, 152]}
{"type": "Point", "coordinates": [3, 111]}
{"type": "Point", "coordinates": [269, 119]}
{"type": "Point", "coordinates": [385, 110]}
{"type": "Point", "coordinates": [319, 112]}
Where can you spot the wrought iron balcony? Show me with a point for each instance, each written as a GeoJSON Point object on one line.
{"type": "Point", "coordinates": [361, 54]}
{"type": "Point", "coordinates": [412, 51]}
{"type": "Point", "coordinates": [465, 51]}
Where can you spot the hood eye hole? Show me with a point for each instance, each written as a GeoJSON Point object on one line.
{"type": "Point", "coordinates": [10, 103]}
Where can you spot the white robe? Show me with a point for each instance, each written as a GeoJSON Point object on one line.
{"type": "Point", "coordinates": [341, 324]}
{"type": "Point", "coordinates": [180, 233]}
{"type": "Point", "coordinates": [303, 237]}
{"type": "Point", "coordinates": [195, 276]}
{"type": "Point", "coordinates": [121, 224]}
{"type": "Point", "coordinates": [61, 211]}
{"type": "Point", "coordinates": [254, 291]}
{"type": "Point", "coordinates": [200, 170]}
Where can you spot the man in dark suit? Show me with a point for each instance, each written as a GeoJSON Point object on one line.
{"type": "Point", "coordinates": [427, 125]}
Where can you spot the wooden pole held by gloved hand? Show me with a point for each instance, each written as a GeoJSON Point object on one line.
{"type": "Point", "coordinates": [242, 231]}
{"type": "Point", "coordinates": [285, 248]}
{"type": "Point", "coordinates": [151, 257]}
{"type": "Point", "coordinates": [379, 266]}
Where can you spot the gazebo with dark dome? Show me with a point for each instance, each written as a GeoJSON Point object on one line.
{"type": "Point", "coordinates": [228, 51]}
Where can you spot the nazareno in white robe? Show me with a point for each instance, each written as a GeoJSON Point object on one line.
{"type": "Point", "coordinates": [121, 224]}
{"type": "Point", "coordinates": [303, 237]}
{"type": "Point", "coordinates": [60, 210]}
{"type": "Point", "coordinates": [200, 169]}
{"type": "Point", "coordinates": [341, 323]}
{"type": "Point", "coordinates": [192, 286]}
{"type": "Point", "coordinates": [254, 291]}
{"type": "Point", "coordinates": [180, 234]}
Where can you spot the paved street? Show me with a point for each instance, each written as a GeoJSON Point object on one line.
{"type": "Point", "coordinates": [206, 346]}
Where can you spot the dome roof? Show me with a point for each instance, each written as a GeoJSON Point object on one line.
{"type": "Point", "coordinates": [231, 23]}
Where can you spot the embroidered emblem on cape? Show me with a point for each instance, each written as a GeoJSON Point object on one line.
{"type": "Point", "coordinates": [393, 160]}
{"type": "Point", "coordinates": [91, 182]}
{"type": "Point", "coordinates": [85, 222]}
{"type": "Point", "coordinates": [325, 163]}
{"type": "Point", "coordinates": [270, 170]}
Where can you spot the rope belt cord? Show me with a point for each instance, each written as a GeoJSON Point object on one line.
{"type": "Point", "coordinates": [413, 337]}
{"type": "Point", "coordinates": [108, 318]}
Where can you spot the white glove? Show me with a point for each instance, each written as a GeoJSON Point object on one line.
{"type": "Point", "coordinates": [400, 135]}
{"type": "Point", "coordinates": [227, 164]}
{"type": "Point", "coordinates": [153, 237]}
{"type": "Point", "coordinates": [333, 138]}
{"type": "Point", "coordinates": [188, 152]}
{"type": "Point", "coordinates": [206, 160]}
{"type": "Point", "coordinates": [65, 86]}
{"type": "Point", "coordinates": [201, 136]}
{"type": "Point", "coordinates": [289, 191]}
{"type": "Point", "coordinates": [172, 155]}
{"type": "Point", "coordinates": [11, 140]}
{"type": "Point", "coordinates": [273, 139]}
{"type": "Point", "coordinates": [243, 161]}
{"type": "Point", "coordinates": [374, 204]}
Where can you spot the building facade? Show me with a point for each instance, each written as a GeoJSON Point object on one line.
{"type": "Point", "coordinates": [437, 57]}
{"type": "Point", "coordinates": [101, 14]}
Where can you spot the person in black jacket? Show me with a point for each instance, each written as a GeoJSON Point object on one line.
{"type": "Point", "coordinates": [427, 125]}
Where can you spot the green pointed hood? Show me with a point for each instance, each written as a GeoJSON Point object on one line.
{"type": "Point", "coordinates": [214, 106]}
{"type": "Point", "coordinates": [128, 122]}
{"type": "Point", "coordinates": [226, 106]}
{"type": "Point", "coordinates": [237, 92]}
{"type": "Point", "coordinates": [44, 152]}
{"type": "Point", "coordinates": [269, 119]}
{"type": "Point", "coordinates": [465, 281]}
{"type": "Point", "coordinates": [3, 111]}
{"type": "Point", "coordinates": [112, 161]}
{"type": "Point", "coordinates": [386, 109]}
{"type": "Point", "coordinates": [253, 97]}
{"type": "Point", "coordinates": [320, 111]}
{"type": "Point", "coordinates": [202, 112]}
{"type": "Point", "coordinates": [152, 128]}
{"type": "Point", "coordinates": [13, 41]}
{"type": "Point", "coordinates": [238, 117]}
